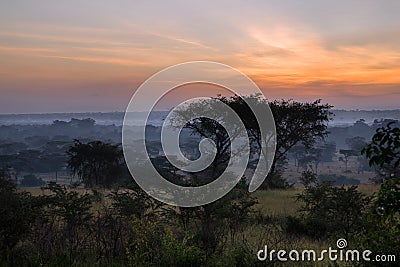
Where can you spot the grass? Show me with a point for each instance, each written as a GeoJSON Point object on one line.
{"type": "Point", "coordinates": [277, 202]}
{"type": "Point", "coordinates": [283, 202]}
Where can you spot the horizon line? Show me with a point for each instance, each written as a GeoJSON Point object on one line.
{"type": "Point", "coordinates": [115, 111]}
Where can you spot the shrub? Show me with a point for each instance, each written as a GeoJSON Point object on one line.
{"type": "Point", "coordinates": [154, 245]}
{"type": "Point", "coordinates": [340, 210]}
{"type": "Point", "coordinates": [18, 213]}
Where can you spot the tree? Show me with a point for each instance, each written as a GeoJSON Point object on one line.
{"type": "Point", "coordinates": [295, 122]}
{"type": "Point", "coordinates": [384, 153]}
{"type": "Point", "coordinates": [96, 163]}
{"type": "Point", "coordinates": [347, 153]}
{"type": "Point", "coordinates": [191, 118]}
{"type": "Point", "coordinates": [314, 155]}
{"type": "Point", "coordinates": [72, 210]}
{"type": "Point", "coordinates": [297, 152]}
{"type": "Point", "coordinates": [328, 151]}
{"type": "Point", "coordinates": [356, 143]}
{"type": "Point", "coordinates": [306, 161]}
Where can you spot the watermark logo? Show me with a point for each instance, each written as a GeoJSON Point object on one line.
{"type": "Point", "coordinates": [341, 243]}
{"type": "Point", "coordinates": [155, 88]}
{"type": "Point", "coordinates": [331, 254]}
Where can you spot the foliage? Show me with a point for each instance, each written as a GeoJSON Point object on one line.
{"type": "Point", "coordinates": [133, 201]}
{"type": "Point", "coordinates": [384, 153]}
{"type": "Point", "coordinates": [295, 123]}
{"type": "Point", "coordinates": [212, 223]}
{"type": "Point", "coordinates": [347, 153]}
{"type": "Point", "coordinates": [64, 227]}
{"type": "Point", "coordinates": [384, 150]}
{"type": "Point", "coordinates": [96, 163]}
{"type": "Point", "coordinates": [356, 144]}
{"type": "Point", "coordinates": [71, 206]}
{"type": "Point", "coordinates": [339, 210]}
{"type": "Point", "coordinates": [191, 117]}
{"type": "Point", "coordinates": [153, 245]}
{"type": "Point", "coordinates": [67, 214]}
{"type": "Point", "coordinates": [18, 213]}
{"type": "Point", "coordinates": [308, 178]}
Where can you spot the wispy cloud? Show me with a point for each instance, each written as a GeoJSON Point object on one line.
{"type": "Point", "coordinates": [10, 49]}
{"type": "Point", "coordinates": [105, 60]}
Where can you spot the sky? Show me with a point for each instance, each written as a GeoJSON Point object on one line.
{"type": "Point", "coordinates": [70, 56]}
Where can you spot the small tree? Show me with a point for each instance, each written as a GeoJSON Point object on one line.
{"type": "Point", "coordinates": [347, 153]}
{"type": "Point", "coordinates": [72, 211]}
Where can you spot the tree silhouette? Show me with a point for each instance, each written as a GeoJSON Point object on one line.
{"type": "Point", "coordinates": [96, 163]}
{"type": "Point", "coordinates": [347, 153]}
{"type": "Point", "coordinates": [295, 122]}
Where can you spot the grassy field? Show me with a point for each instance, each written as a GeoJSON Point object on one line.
{"type": "Point", "coordinates": [270, 202]}
{"type": "Point", "coordinates": [283, 202]}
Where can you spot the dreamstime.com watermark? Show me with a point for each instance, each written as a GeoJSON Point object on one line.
{"type": "Point", "coordinates": [153, 90]}
{"type": "Point", "coordinates": [333, 254]}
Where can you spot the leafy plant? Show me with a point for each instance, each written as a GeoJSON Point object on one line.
{"type": "Point", "coordinates": [340, 210]}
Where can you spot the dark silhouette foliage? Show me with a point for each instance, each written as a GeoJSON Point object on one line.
{"type": "Point", "coordinates": [96, 163]}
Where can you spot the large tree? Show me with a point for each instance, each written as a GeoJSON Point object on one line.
{"type": "Point", "coordinates": [191, 118]}
{"type": "Point", "coordinates": [96, 163]}
{"type": "Point", "coordinates": [295, 122]}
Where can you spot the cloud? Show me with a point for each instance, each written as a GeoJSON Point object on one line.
{"type": "Point", "coordinates": [105, 60]}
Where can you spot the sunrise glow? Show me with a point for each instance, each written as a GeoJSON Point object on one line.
{"type": "Point", "coordinates": [92, 56]}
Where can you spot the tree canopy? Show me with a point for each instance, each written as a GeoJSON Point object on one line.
{"type": "Point", "coordinates": [295, 123]}
{"type": "Point", "coordinates": [96, 163]}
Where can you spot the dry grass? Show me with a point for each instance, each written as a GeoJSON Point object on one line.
{"type": "Point", "coordinates": [283, 202]}
{"type": "Point", "coordinates": [277, 202]}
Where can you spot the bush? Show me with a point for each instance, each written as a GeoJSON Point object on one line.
{"type": "Point", "coordinates": [340, 210]}
{"type": "Point", "coordinates": [154, 245]}
{"type": "Point", "coordinates": [18, 212]}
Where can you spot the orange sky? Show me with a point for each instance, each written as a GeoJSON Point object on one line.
{"type": "Point", "coordinates": [74, 57]}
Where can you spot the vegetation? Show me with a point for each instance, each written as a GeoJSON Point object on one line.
{"type": "Point", "coordinates": [110, 221]}
{"type": "Point", "coordinates": [295, 123]}
{"type": "Point", "coordinates": [96, 163]}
